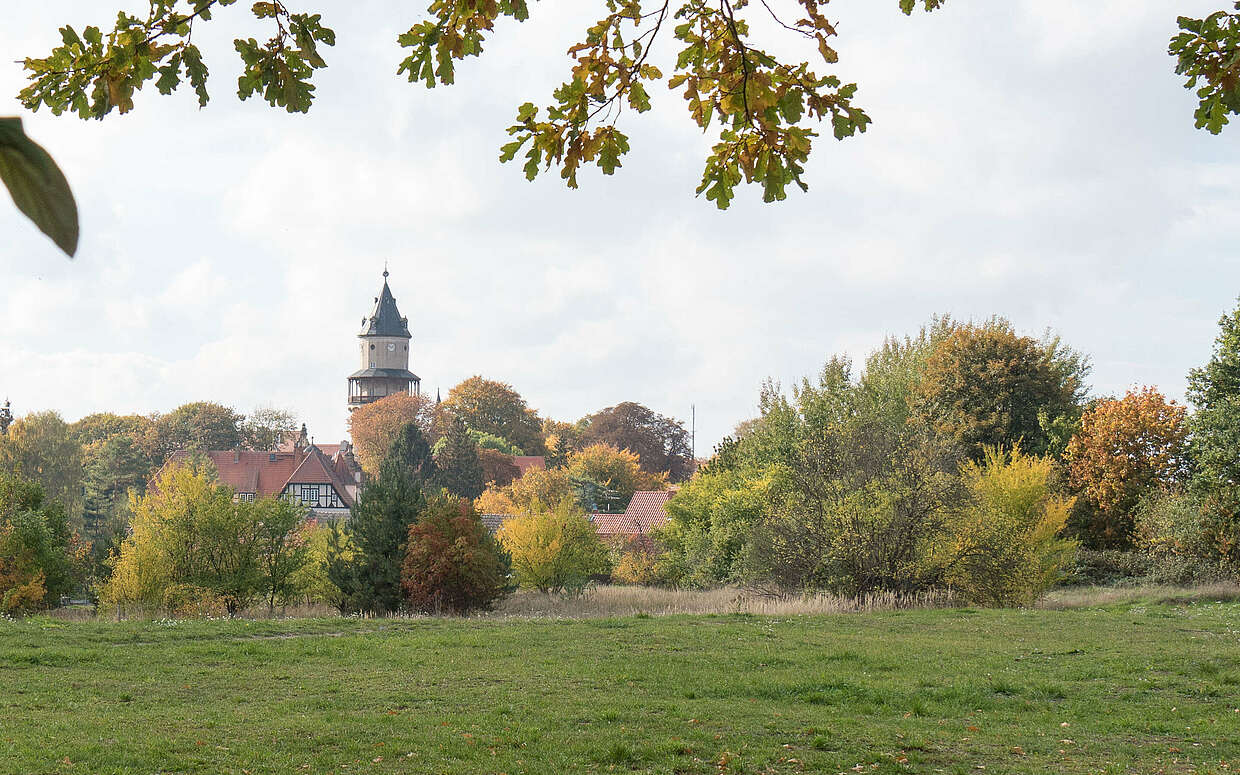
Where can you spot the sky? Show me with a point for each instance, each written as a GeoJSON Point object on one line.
{"type": "Point", "coordinates": [1034, 159]}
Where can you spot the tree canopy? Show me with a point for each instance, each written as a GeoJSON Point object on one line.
{"type": "Point", "coordinates": [660, 443]}
{"type": "Point", "coordinates": [764, 108]}
{"type": "Point", "coordinates": [493, 407]}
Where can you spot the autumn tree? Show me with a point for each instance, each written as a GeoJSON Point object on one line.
{"type": "Point", "coordinates": [1006, 546]}
{"type": "Point", "coordinates": [660, 443]}
{"type": "Point", "coordinates": [494, 407]}
{"type": "Point", "coordinates": [191, 542]}
{"type": "Point", "coordinates": [459, 470]}
{"type": "Point", "coordinates": [561, 440]}
{"type": "Point", "coordinates": [1125, 448]}
{"type": "Point", "coordinates": [554, 549]}
{"type": "Point", "coordinates": [373, 427]}
{"type": "Point", "coordinates": [616, 471]}
{"type": "Point", "coordinates": [536, 489]}
{"type": "Point", "coordinates": [102, 426]}
{"type": "Point", "coordinates": [711, 522]}
{"type": "Point", "coordinates": [497, 468]}
{"type": "Point", "coordinates": [452, 562]}
{"type": "Point", "coordinates": [41, 447]}
{"type": "Point", "coordinates": [986, 385]}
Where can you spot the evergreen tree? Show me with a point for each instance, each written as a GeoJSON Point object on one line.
{"type": "Point", "coordinates": [459, 471]}
{"type": "Point", "coordinates": [378, 529]}
{"type": "Point", "coordinates": [1214, 391]}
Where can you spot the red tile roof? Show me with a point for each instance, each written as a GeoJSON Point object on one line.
{"type": "Point", "coordinates": [644, 515]}
{"type": "Point", "coordinates": [269, 473]}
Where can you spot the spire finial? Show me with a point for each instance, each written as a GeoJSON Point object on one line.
{"type": "Point", "coordinates": [385, 270]}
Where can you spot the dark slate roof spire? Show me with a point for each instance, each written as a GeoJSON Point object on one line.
{"type": "Point", "coordinates": [385, 318]}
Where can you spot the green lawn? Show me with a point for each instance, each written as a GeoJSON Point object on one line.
{"type": "Point", "coordinates": [1129, 688]}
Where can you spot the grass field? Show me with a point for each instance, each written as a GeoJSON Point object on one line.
{"type": "Point", "coordinates": [1131, 687]}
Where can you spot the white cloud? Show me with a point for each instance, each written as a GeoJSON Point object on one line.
{"type": "Point", "coordinates": [1035, 160]}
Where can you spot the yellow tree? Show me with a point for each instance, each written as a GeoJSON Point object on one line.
{"type": "Point", "coordinates": [554, 550]}
{"type": "Point", "coordinates": [617, 470]}
{"type": "Point", "coordinates": [1006, 548]}
{"type": "Point", "coordinates": [373, 427]}
{"type": "Point", "coordinates": [537, 489]}
{"type": "Point", "coordinates": [1125, 448]}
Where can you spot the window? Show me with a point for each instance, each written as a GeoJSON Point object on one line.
{"type": "Point", "coordinates": [316, 496]}
{"type": "Point", "coordinates": [244, 497]}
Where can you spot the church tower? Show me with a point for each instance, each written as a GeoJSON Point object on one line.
{"type": "Point", "coordinates": [385, 354]}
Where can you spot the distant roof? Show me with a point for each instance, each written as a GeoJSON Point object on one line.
{"type": "Point", "coordinates": [385, 318]}
{"type": "Point", "coordinates": [393, 373]}
{"type": "Point", "coordinates": [644, 514]}
{"type": "Point", "coordinates": [269, 473]}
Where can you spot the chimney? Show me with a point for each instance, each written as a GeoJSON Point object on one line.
{"type": "Point", "coordinates": [237, 454]}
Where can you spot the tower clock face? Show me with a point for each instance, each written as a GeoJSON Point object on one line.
{"type": "Point", "coordinates": [391, 347]}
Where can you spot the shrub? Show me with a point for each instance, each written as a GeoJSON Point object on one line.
{"type": "Point", "coordinates": [1190, 536]}
{"type": "Point", "coordinates": [712, 519]}
{"type": "Point", "coordinates": [452, 563]}
{"type": "Point", "coordinates": [1109, 566]}
{"type": "Point", "coordinates": [637, 560]}
{"type": "Point", "coordinates": [554, 550]}
{"type": "Point", "coordinates": [1007, 550]}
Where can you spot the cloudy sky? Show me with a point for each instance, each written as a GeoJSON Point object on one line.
{"type": "Point", "coordinates": [1032, 158]}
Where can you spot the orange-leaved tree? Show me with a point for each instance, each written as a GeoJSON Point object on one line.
{"type": "Point", "coordinates": [1125, 448]}
{"type": "Point", "coordinates": [452, 562]}
{"type": "Point", "coordinates": [373, 427]}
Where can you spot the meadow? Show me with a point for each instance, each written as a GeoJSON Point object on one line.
{"type": "Point", "coordinates": [1138, 684]}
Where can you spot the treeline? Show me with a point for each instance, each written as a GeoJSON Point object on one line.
{"type": "Point", "coordinates": [968, 457]}
{"type": "Point", "coordinates": [603, 457]}
{"type": "Point", "coordinates": [84, 484]}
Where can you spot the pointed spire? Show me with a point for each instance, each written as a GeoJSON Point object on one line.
{"type": "Point", "coordinates": [436, 396]}
{"type": "Point", "coordinates": [385, 319]}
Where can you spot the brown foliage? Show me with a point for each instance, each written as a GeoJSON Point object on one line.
{"type": "Point", "coordinates": [373, 427]}
{"type": "Point", "coordinates": [497, 468]}
{"type": "Point", "coordinates": [452, 563]}
{"type": "Point", "coordinates": [1125, 448]}
{"type": "Point", "coordinates": [985, 385]}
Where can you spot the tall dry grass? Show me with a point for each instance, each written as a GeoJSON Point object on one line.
{"type": "Point", "coordinates": [1092, 597]}
{"type": "Point", "coordinates": [617, 601]}
{"type": "Point", "coordinates": [608, 601]}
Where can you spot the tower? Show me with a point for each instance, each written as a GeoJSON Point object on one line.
{"type": "Point", "coordinates": [385, 354]}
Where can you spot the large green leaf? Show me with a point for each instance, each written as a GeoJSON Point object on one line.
{"type": "Point", "coordinates": [38, 186]}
